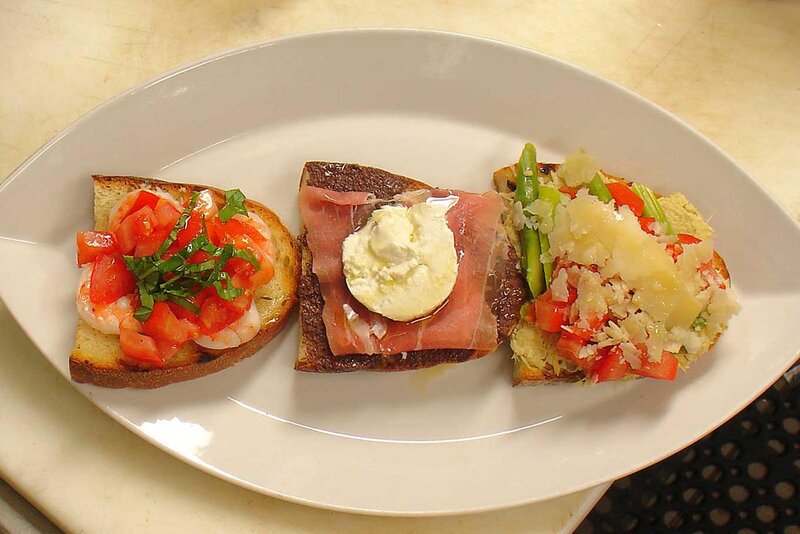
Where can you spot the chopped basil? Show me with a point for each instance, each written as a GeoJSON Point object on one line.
{"type": "Point", "coordinates": [177, 280]}
{"type": "Point", "coordinates": [699, 323]}
{"type": "Point", "coordinates": [234, 203]}
{"type": "Point", "coordinates": [144, 295]}
{"type": "Point", "coordinates": [146, 300]}
{"type": "Point", "coordinates": [248, 257]}
{"type": "Point", "coordinates": [200, 267]}
{"type": "Point", "coordinates": [180, 225]}
{"type": "Point", "coordinates": [229, 292]}
{"type": "Point", "coordinates": [184, 303]}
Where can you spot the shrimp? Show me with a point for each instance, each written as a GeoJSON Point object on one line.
{"type": "Point", "coordinates": [103, 317]}
{"type": "Point", "coordinates": [205, 204]}
{"type": "Point", "coordinates": [236, 334]}
{"type": "Point", "coordinates": [268, 250]}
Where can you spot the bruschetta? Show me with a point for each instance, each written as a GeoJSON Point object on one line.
{"type": "Point", "coordinates": [178, 281]}
{"type": "Point", "coordinates": [397, 275]}
{"type": "Point", "coordinates": [622, 282]}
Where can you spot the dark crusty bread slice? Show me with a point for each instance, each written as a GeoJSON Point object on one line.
{"type": "Point", "coordinates": [97, 358]}
{"type": "Point", "coordinates": [315, 354]}
{"type": "Point", "coordinates": [505, 181]}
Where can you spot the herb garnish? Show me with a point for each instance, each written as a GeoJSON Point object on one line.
{"type": "Point", "coordinates": [699, 323]}
{"type": "Point", "coordinates": [234, 203]}
{"type": "Point", "coordinates": [177, 280]}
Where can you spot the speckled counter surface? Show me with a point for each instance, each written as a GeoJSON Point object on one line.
{"type": "Point", "coordinates": [730, 69]}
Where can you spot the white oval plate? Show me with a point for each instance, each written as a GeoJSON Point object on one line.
{"type": "Point", "coordinates": [446, 109]}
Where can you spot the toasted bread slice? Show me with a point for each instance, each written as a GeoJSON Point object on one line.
{"type": "Point", "coordinates": [97, 358]}
{"type": "Point", "coordinates": [544, 365]}
{"type": "Point", "coordinates": [315, 354]}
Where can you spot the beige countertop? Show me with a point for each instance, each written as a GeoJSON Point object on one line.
{"type": "Point", "coordinates": [730, 69]}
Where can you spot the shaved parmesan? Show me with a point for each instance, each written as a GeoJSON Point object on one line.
{"type": "Point", "coordinates": [631, 354]}
{"type": "Point", "coordinates": [559, 286]}
{"type": "Point", "coordinates": [578, 169]}
{"type": "Point", "coordinates": [591, 300]}
{"type": "Point", "coordinates": [589, 232]}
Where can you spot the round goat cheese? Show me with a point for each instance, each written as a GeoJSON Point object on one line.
{"type": "Point", "coordinates": [402, 263]}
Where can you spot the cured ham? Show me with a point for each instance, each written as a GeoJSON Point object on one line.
{"type": "Point", "coordinates": [464, 321]}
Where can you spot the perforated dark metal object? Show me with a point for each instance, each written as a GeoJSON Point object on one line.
{"type": "Point", "coordinates": [742, 478]}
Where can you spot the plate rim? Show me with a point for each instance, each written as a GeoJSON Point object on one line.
{"type": "Point", "coordinates": [336, 33]}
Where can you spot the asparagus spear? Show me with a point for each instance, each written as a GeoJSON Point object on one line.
{"type": "Point", "coordinates": [527, 191]}
{"type": "Point", "coordinates": [652, 207]}
{"type": "Point", "coordinates": [598, 188]}
{"type": "Point", "coordinates": [552, 196]}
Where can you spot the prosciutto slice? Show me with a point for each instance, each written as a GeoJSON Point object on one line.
{"type": "Point", "coordinates": [464, 321]}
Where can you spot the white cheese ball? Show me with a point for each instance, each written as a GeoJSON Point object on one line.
{"type": "Point", "coordinates": [402, 263]}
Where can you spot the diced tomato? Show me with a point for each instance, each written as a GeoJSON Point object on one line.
{"type": "Point", "coordinates": [137, 346]}
{"type": "Point", "coordinates": [674, 250]}
{"type": "Point", "coordinates": [581, 333]}
{"type": "Point", "coordinates": [572, 296]}
{"type": "Point", "coordinates": [163, 325]}
{"type": "Point", "coordinates": [710, 274]}
{"type": "Point", "coordinates": [199, 257]}
{"type": "Point", "coordinates": [240, 271]}
{"type": "Point", "coordinates": [110, 279]}
{"type": "Point", "coordinates": [645, 223]}
{"type": "Point", "coordinates": [549, 316]}
{"type": "Point", "coordinates": [215, 230]}
{"type": "Point", "coordinates": [204, 294]}
{"type": "Point", "coordinates": [248, 277]}
{"type": "Point", "coordinates": [134, 299]}
{"type": "Point", "coordinates": [240, 303]}
{"type": "Point", "coordinates": [562, 263]}
{"type": "Point", "coordinates": [624, 196]}
{"type": "Point", "coordinates": [612, 366]}
{"type": "Point", "coordinates": [594, 323]}
{"type": "Point", "coordinates": [236, 227]}
{"type": "Point", "coordinates": [686, 239]}
{"type": "Point", "coordinates": [193, 228]}
{"type": "Point", "coordinates": [183, 314]}
{"type": "Point", "coordinates": [236, 265]}
{"type": "Point", "coordinates": [148, 246]}
{"type": "Point", "coordinates": [135, 227]}
{"type": "Point", "coordinates": [642, 349]}
{"type": "Point", "coordinates": [244, 237]}
{"type": "Point", "coordinates": [94, 244]}
{"type": "Point", "coordinates": [567, 190]}
{"type": "Point", "coordinates": [666, 369]}
{"type": "Point", "coordinates": [167, 350]}
{"type": "Point", "coordinates": [166, 213]}
{"type": "Point", "coordinates": [569, 346]}
{"type": "Point", "coordinates": [216, 313]}
{"type": "Point", "coordinates": [245, 242]}
{"type": "Point", "coordinates": [132, 204]}
{"type": "Point", "coordinates": [241, 241]}
{"type": "Point", "coordinates": [145, 198]}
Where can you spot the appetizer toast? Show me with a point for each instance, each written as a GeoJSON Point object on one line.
{"type": "Point", "coordinates": [543, 357]}
{"type": "Point", "coordinates": [98, 357]}
{"type": "Point", "coordinates": [590, 276]}
{"type": "Point", "coordinates": [503, 295]}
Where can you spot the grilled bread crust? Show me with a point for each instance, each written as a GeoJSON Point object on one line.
{"type": "Point", "coordinates": [315, 354]}
{"type": "Point", "coordinates": [97, 358]}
